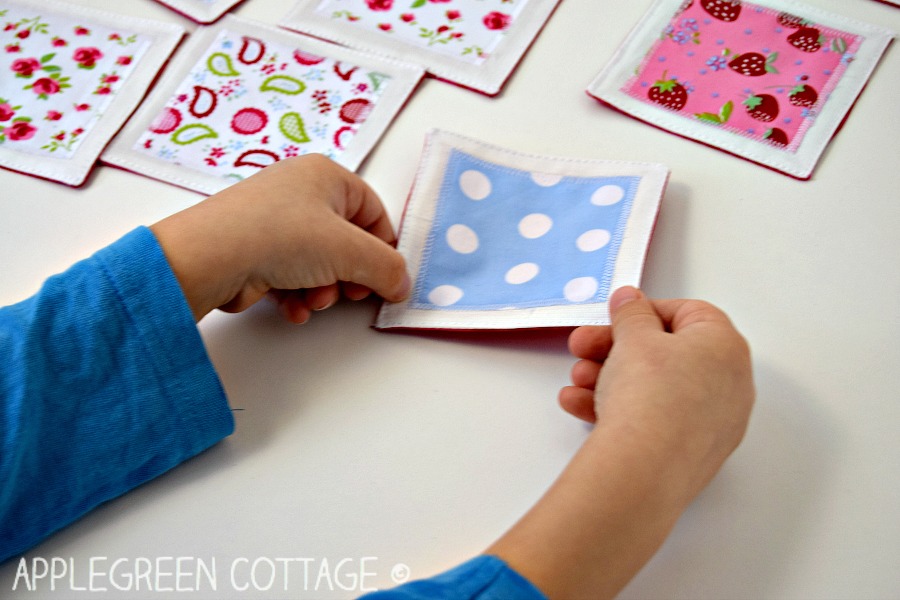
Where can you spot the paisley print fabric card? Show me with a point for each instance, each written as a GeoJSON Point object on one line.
{"type": "Point", "coordinates": [474, 43]}
{"type": "Point", "coordinates": [71, 76]}
{"type": "Point", "coordinates": [243, 95]}
{"type": "Point", "coordinates": [770, 81]}
{"type": "Point", "coordinates": [496, 239]}
{"type": "Point", "coordinates": [201, 11]}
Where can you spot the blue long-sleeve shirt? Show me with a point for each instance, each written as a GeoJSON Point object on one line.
{"type": "Point", "coordinates": [106, 384]}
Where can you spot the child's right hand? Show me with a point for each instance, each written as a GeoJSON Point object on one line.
{"type": "Point", "coordinates": [675, 373]}
{"type": "Point", "coordinates": [670, 387]}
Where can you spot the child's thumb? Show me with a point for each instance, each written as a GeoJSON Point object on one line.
{"type": "Point", "coordinates": [375, 264]}
{"type": "Point", "coordinates": [632, 313]}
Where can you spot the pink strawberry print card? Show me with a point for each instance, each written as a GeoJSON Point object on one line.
{"type": "Point", "coordinates": [71, 76]}
{"type": "Point", "coordinates": [242, 95]}
{"type": "Point", "coordinates": [770, 81]}
{"type": "Point", "coordinates": [474, 43]}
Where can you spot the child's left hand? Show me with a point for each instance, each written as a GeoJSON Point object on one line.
{"type": "Point", "coordinates": [301, 230]}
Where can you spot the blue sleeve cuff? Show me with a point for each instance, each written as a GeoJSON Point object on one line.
{"type": "Point", "coordinates": [105, 385]}
{"type": "Point", "coordinates": [162, 318]}
{"type": "Point", "coordinates": [482, 578]}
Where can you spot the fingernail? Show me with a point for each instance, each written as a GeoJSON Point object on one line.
{"type": "Point", "coordinates": [301, 317]}
{"type": "Point", "coordinates": [288, 313]}
{"type": "Point", "coordinates": [623, 296]}
{"type": "Point", "coordinates": [327, 305]}
{"type": "Point", "coordinates": [406, 287]}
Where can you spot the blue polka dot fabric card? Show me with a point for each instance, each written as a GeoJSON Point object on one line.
{"type": "Point", "coordinates": [497, 239]}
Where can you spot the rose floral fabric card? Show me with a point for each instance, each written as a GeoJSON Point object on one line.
{"type": "Point", "coordinates": [201, 11]}
{"type": "Point", "coordinates": [241, 95]}
{"type": "Point", "coordinates": [497, 239]}
{"type": "Point", "coordinates": [770, 81]}
{"type": "Point", "coordinates": [70, 77]}
{"type": "Point", "coordinates": [474, 43]}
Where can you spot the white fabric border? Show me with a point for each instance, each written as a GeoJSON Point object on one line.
{"type": "Point", "coordinates": [420, 212]}
{"type": "Point", "coordinates": [198, 12]}
{"type": "Point", "coordinates": [404, 79]}
{"type": "Point", "coordinates": [488, 77]}
{"type": "Point", "coordinates": [608, 83]}
{"type": "Point", "coordinates": [164, 37]}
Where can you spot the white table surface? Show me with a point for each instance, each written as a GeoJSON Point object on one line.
{"type": "Point", "coordinates": [422, 449]}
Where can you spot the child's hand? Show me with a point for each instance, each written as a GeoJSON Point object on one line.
{"type": "Point", "coordinates": [302, 230]}
{"type": "Point", "coordinates": [675, 373]}
{"type": "Point", "coordinates": [670, 387]}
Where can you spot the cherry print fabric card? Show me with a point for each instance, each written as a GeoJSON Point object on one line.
{"type": "Point", "coordinates": [242, 95]}
{"type": "Point", "coordinates": [770, 81]}
{"type": "Point", "coordinates": [497, 239]}
{"type": "Point", "coordinates": [474, 43]}
{"type": "Point", "coordinates": [71, 76]}
{"type": "Point", "coordinates": [201, 11]}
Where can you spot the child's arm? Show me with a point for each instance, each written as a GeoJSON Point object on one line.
{"type": "Point", "coordinates": [305, 224]}
{"type": "Point", "coordinates": [670, 387]}
{"type": "Point", "coordinates": [105, 382]}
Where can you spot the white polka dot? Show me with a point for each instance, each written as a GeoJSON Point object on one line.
{"type": "Point", "coordinates": [580, 289]}
{"type": "Point", "coordinates": [606, 195]}
{"type": "Point", "coordinates": [535, 225]}
{"type": "Point", "coordinates": [462, 239]}
{"type": "Point", "coordinates": [445, 295]}
{"type": "Point", "coordinates": [592, 240]}
{"type": "Point", "coordinates": [522, 273]}
{"type": "Point", "coordinates": [546, 179]}
{"type": "Point", "coordinates": [475, 185]}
